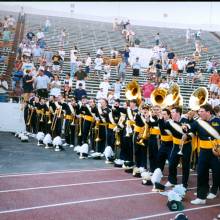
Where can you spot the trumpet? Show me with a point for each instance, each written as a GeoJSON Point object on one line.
{"type": "Point", "coordinates": [30, 116]}
{"type": "Point", "coordinates": [57, 115]}
{"type": "Point", "coordinates": [145, 135]}
{"type": "Point", "coordinates": [49, 118]}
{"type": "Point", "coordinates": [80, 126]}
{"type": "Point", "coordinates": [117, 138]}
{"type": "Point", "coordinates": [73, 121]}
{"type": "Point", "coordinates": [97, 139]}
{"type": "Point", "coordinates": [42, 115]}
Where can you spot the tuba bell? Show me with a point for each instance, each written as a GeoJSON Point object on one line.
{"type": "Point", "coordinates": [198, 98]}
{"type": "Point", "coordinates": [133, 91]}
{"type": "Point", "coordinates": [173, 94]}
{"type": "Point", "coordinates": [158, 97]}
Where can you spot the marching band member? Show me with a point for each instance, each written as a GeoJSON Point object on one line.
{"type": "Point", "coordinates": [140, 139]}
{"type": "Point", "coordinates": [101, 118]}
{"type": "Point", "coordinates": [127, 143]}
{"type": "Point", "coordinates": [154, 142]}
{"type": "Point", "coordinates": [166, 139]}
{"type": "Point", "coordinates": [207, 128]}
{"type": "Point", "coordinates": [175, 126]}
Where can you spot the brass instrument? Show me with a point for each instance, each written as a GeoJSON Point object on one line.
{"type": "Point", "coordinates": [158, 97]}
{"type": "Point", "coordinates": [145, 135]}
{"type": "Point", "coordinates": [133, 91]}
{"type": "Point", "coordinates": [57, 115]}
{"type": "Point", "coordinates": [128, 128]}
{"type": "Point", "coordinates": [73, 121]}
{"type": "Point", "coordinates": [80, 126]}
{"type": "Point", "coordinates": [42, 115]}
{"type": "Point", "coordinates": [173, 94]}
{"type": "Point", "coordinates": [97, 139]}
{"type": "Point", "coordinates": [49, 116]}
{"type": "Point", "coordinates": [30, 116]}
{"type": "Point", "coordinates": [117, 138]}
{"type": "Point", "coordinates": [215, 148]}
{"type": "Point", "coordinates": [198, 98]}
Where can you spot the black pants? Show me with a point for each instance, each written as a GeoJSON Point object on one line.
{"type": "Point", "coordinates": [153, 151]}
{"type": "Point", "coordinates": [207, 160]}
{"type": "Point", "coordinates": [103, 138]}
{"type": "Point", "coordinates": [174, 161]}
{"type": "Point", "coordinates": [86, 130]}
{"type": "Point", "coordinates": [164, 153]}
{"type": "Point", "coordinates": [126, 147]}
{"type": "Point", "coordinates": [42, 93]}
{"type": "Point", "coordinates": [136, 72]}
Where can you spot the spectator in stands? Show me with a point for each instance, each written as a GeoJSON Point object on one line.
{"type": "Point", "coordinates": [214, 101]}
{"type": "Point", "coordinates": [55, 86]}
{"type": "Point", "coordinates": [48, 54]}
{"type": "Point", "coordinates": [115, 24]}
{"type": "Point", "coordinates": [147, 89]}
{"type": "Point", "coordinates": [157, 39]}
{"type": "Point", "coordinates": [26, 51]}
{"type": "Point", "coordinates": [198, 35]}
{"type": "Point", "coordinates": [37, 53]}
{"type": "Point", "coordinates": [170, 55]}
{"type": "Point", "coordinates": [79, 92]}
{"type": "Point", "coordinates": [80, 77]}
{"type": "Point", "coordinates": [117, 89]}
{"type": "Point", "coordinates": [3, 88]}
{"type": "Point", "coordinates": [181, 63]}
{"type": "Point", "coordinates": [107, 71]}
{"type": "Point", "coordinates": [28, 80]}
{"type": "Point", "coordinates": [105, 85]}
{"type": "Point", "coordinates": [198, 47]}
{"type": "Point", "coordinates": [67, 85]}
{"type": "Point", "coordinates": [62, 53]}
{"type": "Point", "coordinates": [164, 84]}
{"type": "Point", "coordinates": [47, 25]}
{"type": "Point", "coordinates": [40, 35]}
{"type": "Point", "coordinates": [6, 35]}
{"type": "Point", "coordinates": [100, 52]}
{"type": "Point", "coordinates": [110, 98]}
{"type": "Point", "coordinates": [56, 59]}
{"type": "Point", "coordinates": [30, 35]}
{"type": "Point", "coordinates": [48, 71]}
{"type": "Point", "coordinates": [126, 54]}
{"type": "Point", "coordinates": [27, 65]}
{"type": "Point", "coordinates": [41, 84]}
{"type": "Point", "coordinates": [198, 76]}
{"type": "Point", "coordinates": [114, 53]}
{"type": "Point", "coordinates": [158, 71]}
{"type": "Point", "coordinates": [216, 109]}
{"type": "Point", "coordinates": [78, 63]}
{"type": "Point", "coordinates": [209, 65]}
{"type": "Point", "coordinates": [62, 38]}
{"type": "Point", "coordinates": [88, 63]}
{"type": "Point", "coordinates": [98, 66]}
{"type": "Point", "coordinates": [190, 69]}
{"type": "Point", "coordinates": [122, 71]}
{"type": "Point", "coordinates": [136, 67]}
{"type": "Point", "coordinates": [73, 64]}
{"type": "Point", "coordinates": [214, 82]}
{"type": "Point", "coordinates": [101, 95]}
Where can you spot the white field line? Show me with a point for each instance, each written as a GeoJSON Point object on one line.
{"type": "Point", "coordinates": [170, 213]}
{"type": "Point", "coordinates": [73, 184]}
{"type": "Point", "coordinates": [77, 202]}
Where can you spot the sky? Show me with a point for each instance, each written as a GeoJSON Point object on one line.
{"type": "Point", "coordinates": [192, 13]}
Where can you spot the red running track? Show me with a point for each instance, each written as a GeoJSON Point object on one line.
{"type": "Point", "coordinates": [95, 194]}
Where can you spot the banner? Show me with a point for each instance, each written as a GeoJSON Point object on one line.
{"type": "Point", "coordinates": [11, 117]}
{"type": "Point", "coordinates": [144, 55]}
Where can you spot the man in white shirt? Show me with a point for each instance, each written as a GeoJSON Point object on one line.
{"type": "Point", "coordinates": [3, 89]}
{"type": "Point", "coordinates": [101, 95]}
{"type": "Point", "coordinates": [47, 25]}
{"type": "Point", "coordinates": [98, 66]}
{"type": "Point", "coordinates": [62, 53]}
{"type": "Point", "coordinates": [100, 52]}
{"type": "Point", "coordinates": [73, 64]}
{"type": "Point", "coordinates": [88, 63]}
{"type": "Point", "coordinates": [40, 35]}
{"type": "Point", "coordinates": [106, 86]}
{"type": "Point", "coordinates": [164, 84]}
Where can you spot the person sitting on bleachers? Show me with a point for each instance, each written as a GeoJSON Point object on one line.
{"type": "Point", "coordinates": [37, 52]}
{"type": "Point", "coordinates": [114, 53]}
{"type": "Point", "coordinates": [47, 25]}
{"type": "Point", "coordinates": [26, 52]}
{"type": "Point", "coordinates": [55, 86]}
{"type": "Point", "coordinates": [98, 66]}
{"type": "Point", "coordinates": [88, 63]}
{"type": "Point", "coordinates": [190, 69]}
{"type": "Point", "coordinates": [56, 59]}
{"type": "Point", "coordinates": [100, 52]}
{"type": "Point", "coordinates": [136, 67]}
{"type": "Point", "coordinates": [107, 71]}
{"type": "Point", "coordinates": [30, 35]}
{"type": "Point", "coordinates": [164, 84]}
{"type": "Point", "coordinates": [79, 92]}
{"type": "Point", "coordinates": [67, 85]}
{"type": "Point", "coordinates": [80, 77]}
{"type": "Point", "coordinates": [100, 95]}
{"type": "Point", "coordinates": [105, 85]}
{"type": "Point", "coordinates": [198, 76]}
{"type": "Point", "coordinates": [214, 82]}
{"type": "Point", "coordinates": [40, 35]}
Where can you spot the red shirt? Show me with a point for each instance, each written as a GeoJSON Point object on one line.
{"type": "Point", "coordinates": [147, 89]}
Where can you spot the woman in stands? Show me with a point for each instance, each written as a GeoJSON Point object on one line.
{"type": "Point", "coordinates": [55, 86]}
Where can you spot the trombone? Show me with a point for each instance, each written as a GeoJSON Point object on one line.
{"type": "Point", "coordinates": [30, 116]}
{"type": "Point", "coordinates": [145, 135]}
{"type": "Point", "coordinates": [57, 115]}
{"type": "Point", "coordinates": [97, 138]}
